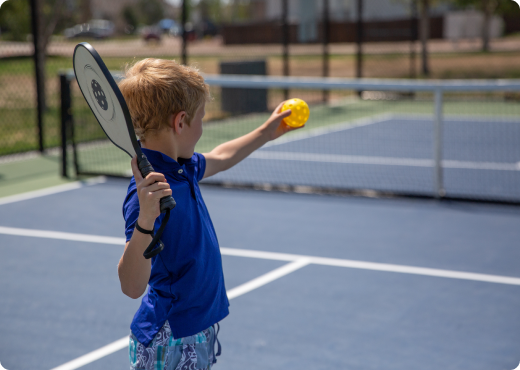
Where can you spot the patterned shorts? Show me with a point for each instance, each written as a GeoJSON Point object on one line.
{"type": "Point", "coordinates": [166, 353]}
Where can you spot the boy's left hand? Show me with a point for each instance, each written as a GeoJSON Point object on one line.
{"type": "Point", "coordinates": [274, 126]}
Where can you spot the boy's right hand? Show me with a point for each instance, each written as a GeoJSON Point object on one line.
{"type": "Point", "coordinates": [150, 190]}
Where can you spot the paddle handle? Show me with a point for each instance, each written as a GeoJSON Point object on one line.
{"type": "Point", "coordinates": [167, 202]}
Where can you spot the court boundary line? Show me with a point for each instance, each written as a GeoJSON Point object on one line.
{"type": "Point", "coordinates": [458, 117]}
{"type": "Point", "coordinates": [382, 161]}
{"type": "Point", "coordinates": [233, 293]}
{"type": "Point", "coordinates": [51, 190]}
{"type": "Point", "coordinates": [338, 262]}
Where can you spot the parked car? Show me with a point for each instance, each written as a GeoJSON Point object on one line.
{"type": "Point", "coordinates": [95, 28]}
{"type": "Point", "coordinates": [151, 33]}
{"type": "Point", "coordinates": [170, 27]}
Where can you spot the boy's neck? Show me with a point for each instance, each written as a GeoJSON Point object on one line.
{"type": "Point", "coordinates": [164, 143]}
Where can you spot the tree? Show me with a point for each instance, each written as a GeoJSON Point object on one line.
{"type": "Point", "coordinates": [151, 11]}
{"type": "Point", "coordinates": [15, 20]}
{"type": "Point", "coordinates": [131, 18]}
{"type": "Point", "coordinates": [488, 8]}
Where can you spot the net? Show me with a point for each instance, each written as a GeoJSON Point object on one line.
{"type": "Point", "coordinates": [458, 139]}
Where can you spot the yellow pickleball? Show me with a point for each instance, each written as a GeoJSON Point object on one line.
{"type": "Point", "coordinates": [299, 112]}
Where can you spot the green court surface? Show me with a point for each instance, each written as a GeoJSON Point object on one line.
{"type": "Point", "coordinates": [30, 172]}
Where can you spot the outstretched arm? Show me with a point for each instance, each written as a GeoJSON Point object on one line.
{"type": "Point", "coordinates": [232, 152]}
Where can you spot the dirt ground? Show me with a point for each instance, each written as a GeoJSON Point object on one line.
{"type": "Point", "coordinates": [462, 59]}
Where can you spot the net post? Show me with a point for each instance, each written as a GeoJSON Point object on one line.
{"type": "Point", "coordinates": [439, 191]}
{"type": "Point", "coordinates": [65, 120]}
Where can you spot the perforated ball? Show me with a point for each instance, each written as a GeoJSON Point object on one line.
{"type": "Point", "coordinates": [299, 112]}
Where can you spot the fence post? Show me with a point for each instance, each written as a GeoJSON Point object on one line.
{"type": "Point", "coordinates": [66, 116]}
{"type": "Point", "coordinates": [39, 66]}
{"type": "Point", "coordinates": [326, 25]}
{"type": "Point", "coordinates": [184, 51]}
{"type": "Point", "coordinates": [285, 43]}
{"type": "Point", "coordinates": [439, 191]}
{"type": "Point", "coordinates": [359, 39]}
{"type": "Point", "coordinates": [413, 36]}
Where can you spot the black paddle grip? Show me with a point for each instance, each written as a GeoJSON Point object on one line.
{"type": "Point", "coordinates": [167, 203]}
{"type": "Point", "coordinates": [145, 167]}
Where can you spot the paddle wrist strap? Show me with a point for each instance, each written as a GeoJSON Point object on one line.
{"type": "Point", "coordinates": [141, 230]}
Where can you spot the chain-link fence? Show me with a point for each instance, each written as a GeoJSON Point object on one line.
{"type": "Point", "coordinates": [337, 38]}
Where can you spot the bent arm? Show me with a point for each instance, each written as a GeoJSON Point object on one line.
{"type": "Point", "coordinates": [133, 269]}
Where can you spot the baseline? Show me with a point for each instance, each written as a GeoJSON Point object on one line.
{"type": "Point", "coordinates": [404, 269]}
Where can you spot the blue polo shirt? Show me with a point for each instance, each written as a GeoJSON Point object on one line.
{"type": "Point", "coordinates": [186, 285]}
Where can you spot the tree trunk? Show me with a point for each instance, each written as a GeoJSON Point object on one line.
{"type": "Point", "coordinates": [85, 11]}
{"type": "Point", "coordinates": [488, 8]}
{"type": "Point", "coordinates": [425, 35]}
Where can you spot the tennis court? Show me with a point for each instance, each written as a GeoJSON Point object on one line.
{"type": "Point", "coordinates": [316, 282]}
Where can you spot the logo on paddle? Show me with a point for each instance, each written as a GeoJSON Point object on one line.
{"type": "Point", "coordinates": [99, 94]}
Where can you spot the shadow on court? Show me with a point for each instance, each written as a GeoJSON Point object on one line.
{"type": "Point", "coordinates": [439, 289]}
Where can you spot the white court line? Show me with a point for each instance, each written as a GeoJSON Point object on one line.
{"type": "Point", "coordinates": [282, 257]}
{"type": "Point", "coordinates": [267, 278]}
{"type": "Point", "coordinates": [95, 355]}
{"type": "Point", "coordinates": [296, 262]}
{"type": "Point", "coordinates": [62, 236]}
{"type": "Point", "coordinates": [233, 293]}
{"type": "Point", "coordinates": [384, 161]}
{"type": "Point", "coordinates": [51, 190]}
{"type": "Point", "coordinates": [457, 118]}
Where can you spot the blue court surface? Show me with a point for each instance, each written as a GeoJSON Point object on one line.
{"type": "Point", "coordinates": [395, 153]}
{"type": "Point", "coordinates": [316, 282]}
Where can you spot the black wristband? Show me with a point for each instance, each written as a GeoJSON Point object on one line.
{"type": "Point", "coordinates": [141, 230]}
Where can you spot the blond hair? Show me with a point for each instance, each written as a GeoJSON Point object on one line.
{"type": "Point", "coordinates": [154, 89]}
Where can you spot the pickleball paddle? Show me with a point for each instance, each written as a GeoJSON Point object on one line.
{"type": "Point", "coordinates": [109, 107]}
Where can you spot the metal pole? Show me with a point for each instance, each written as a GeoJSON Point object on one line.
{"type": "Point", "coordinates": [65, 120]}
{"type": "Point", "coordinates": [39, 64]}
{"type": "Point", "coordinates": [359, 41]}
{"type": "Point", "coordinates": [326, 26]}
{"type": "Point", "coordinates": [285, 42]}
{"type": "Point", "coordinates": [413, 36]}
{"type": "Point", "coordinates": [184, 52]}
{"type": "Point", "coordinates": [439, 191]}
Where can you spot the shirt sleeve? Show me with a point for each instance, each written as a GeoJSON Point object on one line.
{"type": "Point", "coordinates": [131, 209]}
{"type": "Point", "coordinates": [200, 165]}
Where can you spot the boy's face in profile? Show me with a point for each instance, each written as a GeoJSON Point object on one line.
{"type": "Point", "coordinates": [192, 133]}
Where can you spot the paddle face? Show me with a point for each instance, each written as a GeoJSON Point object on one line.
{"type": "Point", "coordinates": [104, 98]}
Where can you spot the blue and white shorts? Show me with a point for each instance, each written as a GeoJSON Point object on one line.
{"type": "Point", "coordinates": [196, 352]}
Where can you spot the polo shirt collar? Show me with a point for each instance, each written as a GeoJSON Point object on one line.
{"type": "Point", "coordinates": [163, 162]}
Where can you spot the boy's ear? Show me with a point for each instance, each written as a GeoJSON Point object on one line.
{"type": "Point", "coordinates": [178, 122]}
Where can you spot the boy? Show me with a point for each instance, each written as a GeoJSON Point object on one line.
{"type": "Point", "coordinates": [174, 327]}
